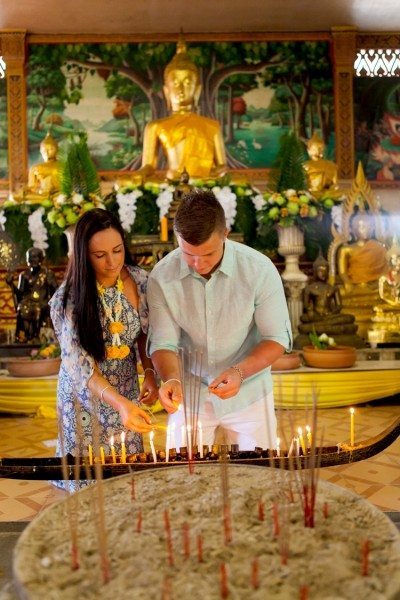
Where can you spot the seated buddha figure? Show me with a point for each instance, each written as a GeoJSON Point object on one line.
{"type": "Point", "coordinates": [322, 310]}
{"type": "Point", "coordinates": [43, 178]}
{"type": "Point", "coordinates": [188, 140]}
{"type": "Point", "coordinates": [360, 264]}
{"type": "Point", "coordinates": [386, 317]}
{"type": "Point", "coordinates": [321, 174]}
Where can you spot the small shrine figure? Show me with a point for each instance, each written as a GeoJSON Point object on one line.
{"type": "Point", "coordinates": [36, 285]}
{"type": "Point", "coordinates": [321, 173]}
{"type": "Point", "coordinates": [44, 178]}
{"type": "Point", "coordinates": [322, 310]}
{"type": "Point", "coordinates": [386, 319]}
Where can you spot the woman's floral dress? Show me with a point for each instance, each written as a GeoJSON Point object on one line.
{"type": "Point", "coordinates": [74, 400]}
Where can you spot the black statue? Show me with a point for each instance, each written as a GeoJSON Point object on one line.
{"type": "Point", "coordinates": [36, 285]}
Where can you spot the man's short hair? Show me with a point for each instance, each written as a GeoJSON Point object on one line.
{"type": "Point", "coordinates": [198, 216]}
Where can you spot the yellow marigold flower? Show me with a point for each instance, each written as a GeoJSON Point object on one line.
{"type": "Point", "coordinates": [116, 327]}
{"type": "Point", "coordinates": [120, 285]}
{"type": "Point", "coordinates": [123, 351]}
{"type": "Point", "coordinates": [284, 212]}
{"type": "Point", "coordinates": [304, 210]}
{"type": "Point", "coordinates": [112, 352]}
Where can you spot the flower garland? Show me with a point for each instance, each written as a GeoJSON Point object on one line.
{"type": "Point", "coordinates": [164, 199]}
{"type": "Point", "coordinates": [227, 199]}
{"type": "Point", "coordinates": [37, 229]}
{"type": "Point", "coordinates": [116, 350]}
{"type": "Point", "coordinates": [127, 208]}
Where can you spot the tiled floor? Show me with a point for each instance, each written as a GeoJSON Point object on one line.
{"type": "Point", "coordinates": [377, 479]}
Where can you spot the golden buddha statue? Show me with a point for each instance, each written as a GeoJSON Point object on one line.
{"type": "Point", "coordinates": [360, 265]}
{"type": "Point", "coordinates": [189, 141]}
{"type": "Point", "coordinates": [321, 173]}
{"type": "Point", "coordinates": [386, 319]}
{"type": "Point", "coordinates": [44, 178]}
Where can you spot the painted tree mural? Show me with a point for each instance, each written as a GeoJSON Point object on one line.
{"type": "Point", "coordinates": [291, 82]}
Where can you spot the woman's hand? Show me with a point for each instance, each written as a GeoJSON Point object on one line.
{"type": "Point", "coordinates": [226, 385]}
{"type": "Point", "coordinates": [170, 394]}
{"type": "Point", "coordinates": [134, 418]}
{"type": "Point", "coordinates": [149, 391]}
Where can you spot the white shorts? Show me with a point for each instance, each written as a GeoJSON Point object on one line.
{"type": "Point", "coordinates": [249, 427]}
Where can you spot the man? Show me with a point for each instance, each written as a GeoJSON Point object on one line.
{"type": "Point", "coordinates": [226, 301]}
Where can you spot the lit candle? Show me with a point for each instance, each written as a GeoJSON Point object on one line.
{"type": "Point", "coordinates": [297, 446]}
{"type": "Point", "coordinates": [278, 446]}
{"type": "Point", "coordinates": [200, 430]}
{"type": "Point", "coordinates": [123, 447]}
{"type": "Point", "coordinates": [153, 450]}
{"type": "Point", "coordinates": [301, 440]}
{"type": "Point", "coordinates": [102, 458]}
{"type": "Point", "coordinates": [352, 427]}
{"type": "Point", "coordinates": [164, 229]}
{"type": "Point", "coordinates": [167, 443]}
{"type": "Point", "coordinates": [309, 436]}
{"type": "Point", "coordinates": [114, 457]}
{"type": "Point", "coordinates": [90, 450]}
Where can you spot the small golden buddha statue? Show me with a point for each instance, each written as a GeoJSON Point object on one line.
{"type": "Point", "coordinates": [44, 178]}
{"type": "Point", "coordinates": [386, 319]}
{"type": "Point", "coordinates": [189, 141]}
{"type": "Point", "coordinates": [321, 173]}
{"type": "Point", "coordinates": [360, 265]}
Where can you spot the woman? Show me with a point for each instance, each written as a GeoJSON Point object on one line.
{"type": "Point", "coordinates": [99, 313]}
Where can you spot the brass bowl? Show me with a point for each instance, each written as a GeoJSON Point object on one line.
{"type": "Point", "coordinates": [335, 357]}
{"type": "Point", "coordinates": [24, 366]}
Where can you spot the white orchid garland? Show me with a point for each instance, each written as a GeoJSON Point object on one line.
{"type": "Point", "coordinates": [227, 199]}
{"type": "Point", "coordinates": [164, 199]}
{"type": "Point", "coordinates": [37, 229]}
{"type": "Point", "coordinates": [3, 220]}
{"type": "Point", "coordinates": [127, 208]}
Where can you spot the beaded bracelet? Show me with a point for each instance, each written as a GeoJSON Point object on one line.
{"type": "Point", "coordinates": [239, 371]}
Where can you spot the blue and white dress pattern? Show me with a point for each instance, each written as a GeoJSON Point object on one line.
{"type": "Point", "coordinates": [74, 400]}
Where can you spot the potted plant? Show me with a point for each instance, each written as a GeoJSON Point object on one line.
{"type": "Point", "coordinates": [324, 353]}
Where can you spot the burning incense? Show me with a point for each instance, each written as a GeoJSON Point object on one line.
{"type": "Point", "coordinates": [200, 548]}
{"type": "Point", "coordinates": [255, 574]}
{"type": "Point", "coordinates": [139, 522]}
{"type": "Point", "coordinates": [186, 540]}
{"type": "Point", "coordinates": [224, 581]}
{"type": "Point", "coordinates": [71, 507]}
{"type": "Point", "coordinates": [365, 550]}
{"type": "Point", "coordinates": [261, 512]}
{"type": "Point", "coordinates": [226, 505]}
{"type": "Point", "coordinates": [167, 526]}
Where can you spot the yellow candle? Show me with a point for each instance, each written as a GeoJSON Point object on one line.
{"type": "Point", "coordinates": [301, 440]}
{"type": "Point", "coordinates": [164, 229]}
{"type": "Point", "coordinates": [114, 457]}
{"type": "Point", "coordinates": [123, 447]}
{"type": "Point", "coordinates": [102, 458]}
{"type": "Point", "coordinates": [352, 427]}
{"type": "Point", "coordinates": [309, 436]}
{"type": "Point", "coordinates": [90, 451]}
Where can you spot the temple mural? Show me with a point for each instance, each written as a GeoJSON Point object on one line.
{"type": "Point", "coordinates": [377, 127]}
{"type": "Point", "coordinates": [256, 90]}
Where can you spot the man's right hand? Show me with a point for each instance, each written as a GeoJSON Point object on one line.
{"type": "Point", "coordinates": [170, 395]}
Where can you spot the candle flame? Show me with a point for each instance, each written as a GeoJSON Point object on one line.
{"type": "Point", "coordinates": [352, 411]}
{"type": "Point", "coordinates": [112, 440]}
{"type": "Point", "coordinates": [278, 442]}
{"type": "Point", "coordinates": [308, 429]}
{"type": "Point", "coordinates": [122, 437]}
{"type": "Point", "coordinates": [151, 435]}
{"type": "Point", "coordinates": [300, 431]}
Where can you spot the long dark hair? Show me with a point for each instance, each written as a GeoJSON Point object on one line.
{"type": "Point", "coordinates": [81, 280]}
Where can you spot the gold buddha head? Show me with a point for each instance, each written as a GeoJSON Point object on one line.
{"type": "Point", "coordinates": [48, 148]}
{"type": "Point", "coordinates": [181, 81]}
{"type": "Point", "coordinates": [315, 147]}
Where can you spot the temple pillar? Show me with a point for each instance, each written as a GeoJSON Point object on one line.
{"type": "Point", "coordinates": [13, 51]}
{"type": "Point", "coordinates": [344, 53]}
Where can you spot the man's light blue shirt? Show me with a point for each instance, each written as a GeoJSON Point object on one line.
{"type": "Point", "coordinates": [223, 317]}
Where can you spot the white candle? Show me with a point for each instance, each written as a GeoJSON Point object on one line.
{"type": "Point", "coordinates": [278, 446]}
{"type": "Point", "coordinates": [167, 443]}
{"type": "Point", "coordinates": [123, 447]}
{"type": "Point", "coordinates": [114, 457]}
{"type": "Point", "coordinates": [183, 436]}
{"type": "Point", "coordinates": [200, 430]}
{"type": "Point", "coordinates": [153, 450]}
{"type": "Point", "coordinates": [172, 436]}
{"type": "Point", "coordinates": [189, 438]}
